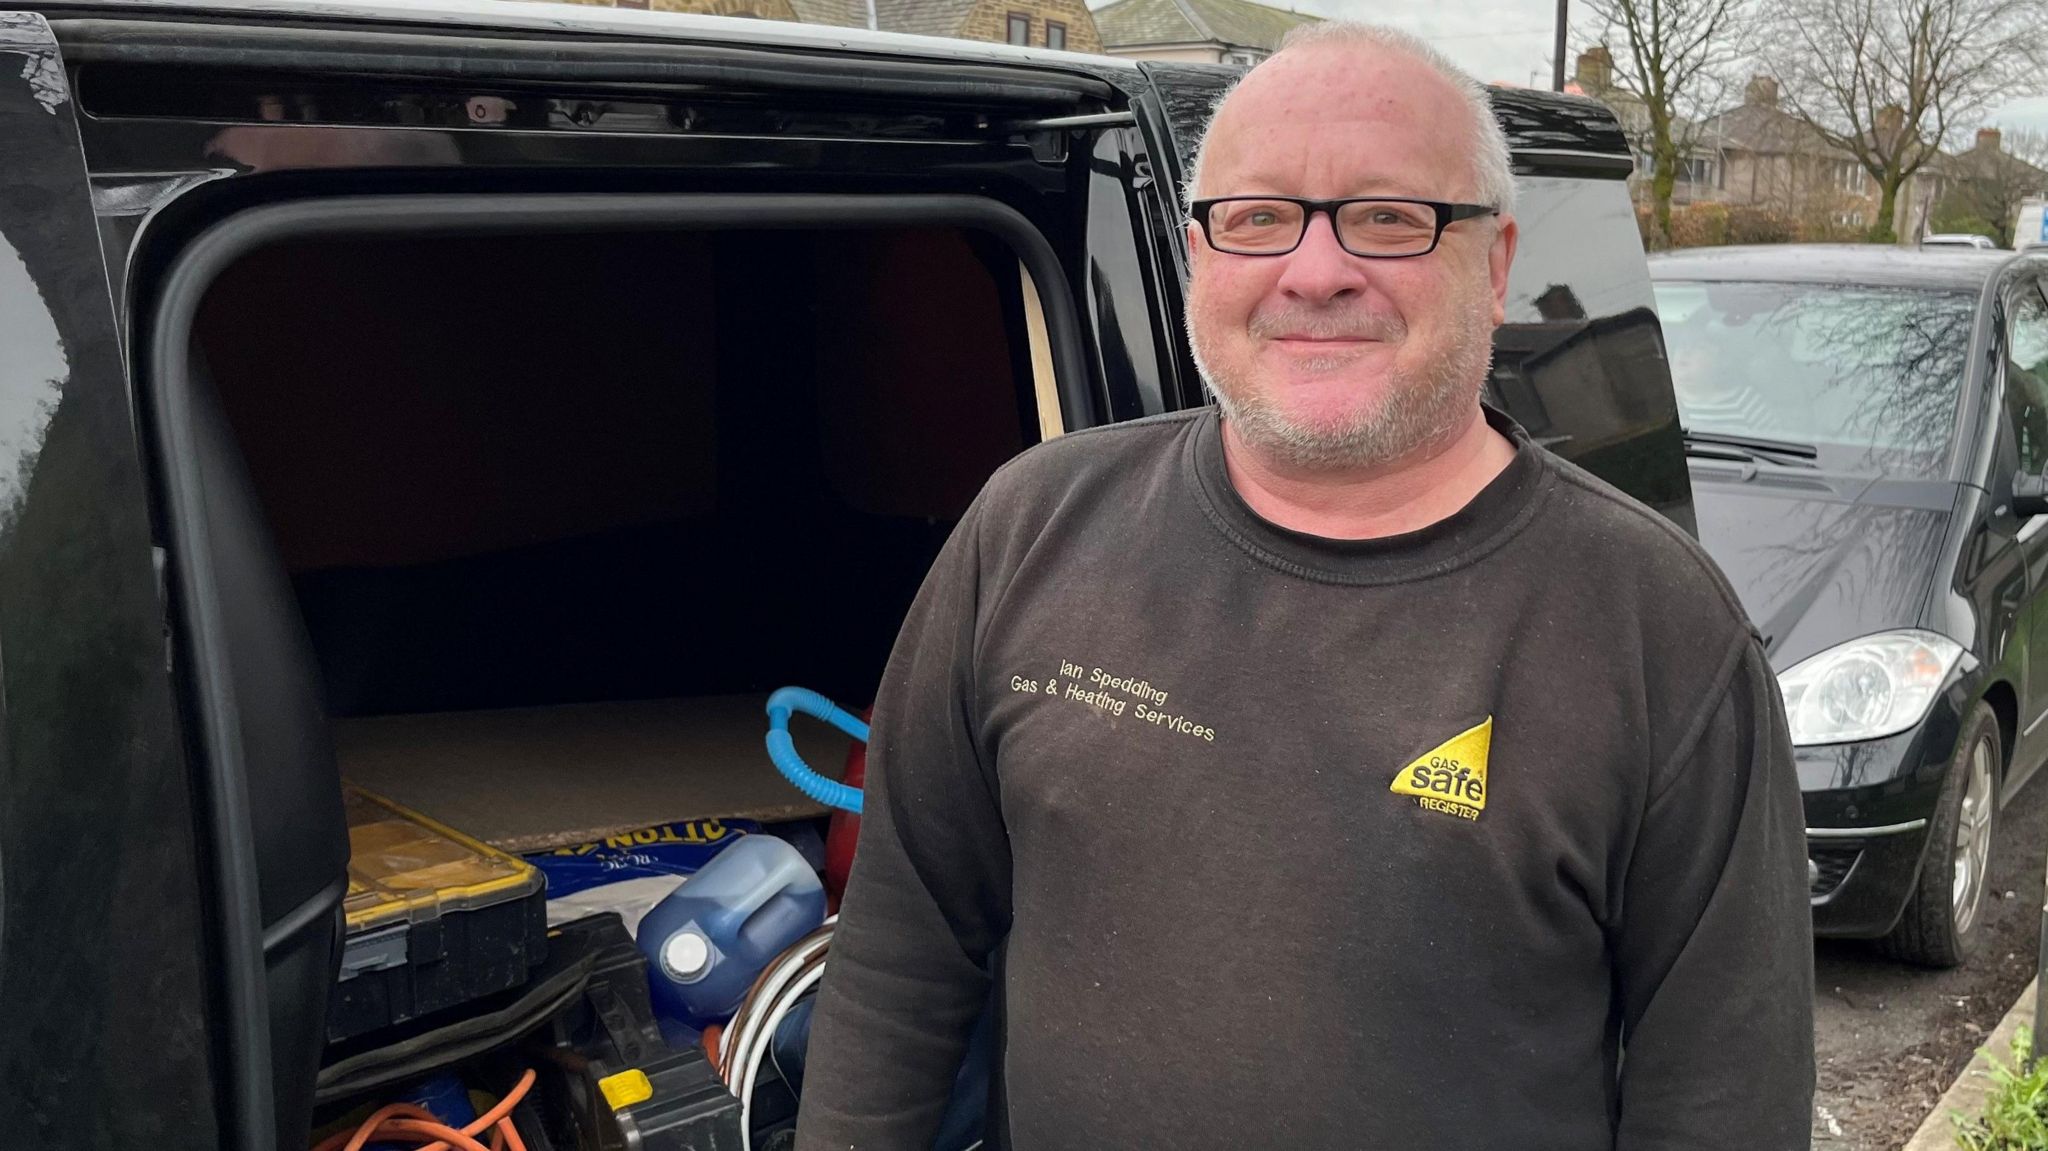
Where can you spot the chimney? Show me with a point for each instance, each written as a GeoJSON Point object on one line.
{"type": "Point", "coordinates": [1762, 92]}
{"type": "Point", "coordinates": [1988, 140]}
{"type": "Point", "coordinates": [1595, 71]}
{"type": "Point", "coordinates": [1891, 121]}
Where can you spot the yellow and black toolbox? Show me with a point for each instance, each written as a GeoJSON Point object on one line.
{"type": "Point", "coordinates": [435, 919]}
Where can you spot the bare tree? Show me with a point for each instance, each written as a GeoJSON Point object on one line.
{"type": "Point", "coordinates": [1676, 60]}
{"type": "Point", "coordinates": [1990, 180]}
{"type": "Point", "coordinates": [1884, 81]}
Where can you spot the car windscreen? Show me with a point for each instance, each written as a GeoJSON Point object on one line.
{"type": "Point", "coordinates": [1869, 376]}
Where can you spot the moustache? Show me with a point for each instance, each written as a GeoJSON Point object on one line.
{"type": "Point", "coordinates": [1325, 324]}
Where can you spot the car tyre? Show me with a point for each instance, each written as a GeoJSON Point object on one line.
{"type": "Point", "coordinates": [1944, 915]}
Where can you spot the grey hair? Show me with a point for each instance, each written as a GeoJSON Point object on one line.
{"type": "Point", "coordinates": [1493, 170]}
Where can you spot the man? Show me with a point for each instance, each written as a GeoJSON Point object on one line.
{"type": "Point", "coordinates": [1340, 770]}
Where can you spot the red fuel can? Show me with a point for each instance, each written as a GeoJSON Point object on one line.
{"type": "Point", "coordinates": [843, 831]}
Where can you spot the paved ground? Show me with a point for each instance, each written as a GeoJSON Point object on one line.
{"type": "Point", "coordinates": [1890, 1038]}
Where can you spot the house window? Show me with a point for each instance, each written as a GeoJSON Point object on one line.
{"type": "Point", "coordinates": [1241, 59]}
{"type": "Point", "coordinates": [1849, 176]}
{"type": "Point", "coordinates": [1056, 35]}
{"type": "Point", "coordinates": [1702, 172]}
{"type": "Point", "coordinates": [1020, 28]}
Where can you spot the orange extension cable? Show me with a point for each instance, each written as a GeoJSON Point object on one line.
{"type": "Point", "coordinates": [406, 1123]}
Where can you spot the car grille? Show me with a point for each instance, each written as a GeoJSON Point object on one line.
{"type": "Point", "coordinates": [1831, 867]}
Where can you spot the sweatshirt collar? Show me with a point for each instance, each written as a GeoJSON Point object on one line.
{"type": "Point", "coordinates": [1491, 518]}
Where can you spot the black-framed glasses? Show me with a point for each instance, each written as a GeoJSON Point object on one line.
{"type": "Point", "coordinates": [1376, 227]}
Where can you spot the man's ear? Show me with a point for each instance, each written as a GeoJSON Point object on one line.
{"type": "Point", "coordinates": [1499, 258]}
{"type": "Point", "coordinates": [1195, 243]}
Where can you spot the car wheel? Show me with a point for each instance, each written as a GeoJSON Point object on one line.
{"type": "Point", "coordinates": [1946, 908]}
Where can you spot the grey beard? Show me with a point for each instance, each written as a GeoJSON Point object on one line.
{"type": "Point", "coordinates": [1420, 410]}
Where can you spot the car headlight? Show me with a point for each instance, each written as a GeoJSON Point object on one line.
{"type": "Point", "coordinates": [1867, 688]}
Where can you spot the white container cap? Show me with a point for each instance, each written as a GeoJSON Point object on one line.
{"type": "Point", "coordinates": [686, 956]}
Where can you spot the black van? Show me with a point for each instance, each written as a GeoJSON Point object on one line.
{"type": "Point", "coordinates": [490, 406]}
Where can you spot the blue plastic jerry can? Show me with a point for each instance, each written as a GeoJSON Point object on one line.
{"type": "Point", "coordinates": [707, 942]}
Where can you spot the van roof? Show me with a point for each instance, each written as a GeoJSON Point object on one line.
{"type": "Point", "coordinates": [537, 16]}
{"type": "Point", "coordinates": [1560, 133]}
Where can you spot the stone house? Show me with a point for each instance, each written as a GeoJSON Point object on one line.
{"type": "Point", "coordinates": [1992, 183]}
{"type": "Point", "coordinates": [1195, 31]}
{"type": "Point", "coordinates": [1060, 24]}
{"type": "Point", "coordinates": [840, 13]}
{"type": "Point", "coordinates": [1772, 159]}
{"type": "Point", "coordinates": [1701, 175]}
{"type": "Point", "coordinates": [1063, 24]}
{"type": "Point", "coordinates": [1758, 154]}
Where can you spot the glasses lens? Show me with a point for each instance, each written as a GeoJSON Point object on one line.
{"type": "Point", "coordinates": [1254, 225]}
{"type": "Point", "coordinates": [1387, 227]}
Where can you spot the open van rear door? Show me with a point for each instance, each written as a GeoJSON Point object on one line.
{"type": "Point", "coordinates": [104, 1031]}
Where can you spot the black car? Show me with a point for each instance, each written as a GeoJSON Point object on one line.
{"type": "Point", "coordinates": [1867, 429]}
{"type": "Point", "coordinates": [489, 406]}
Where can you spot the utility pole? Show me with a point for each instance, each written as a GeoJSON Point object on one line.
{"type": "Point", "coordinates": [1557, 62]}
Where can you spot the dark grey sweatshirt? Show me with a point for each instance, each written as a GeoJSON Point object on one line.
{"type": "Point", "coordinates": [1484, 836]}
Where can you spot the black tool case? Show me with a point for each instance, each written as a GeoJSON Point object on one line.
{"type": "Point", "coordinates": [435, 919]}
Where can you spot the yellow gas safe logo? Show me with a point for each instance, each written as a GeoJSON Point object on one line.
{"type": "Point", "coordinates": [1450, 777]}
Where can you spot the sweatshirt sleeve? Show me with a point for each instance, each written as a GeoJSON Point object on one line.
{"type": "Point", "coordinates": [929, 896]}
{"type": "Point", "coordinates": [1715, 951]}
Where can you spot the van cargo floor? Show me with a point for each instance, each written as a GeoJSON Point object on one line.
{"type": "Point", "coordinates": [532, 778]}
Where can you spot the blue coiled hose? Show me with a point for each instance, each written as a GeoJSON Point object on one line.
{"type": "Point", "coordinates": [782, 749]}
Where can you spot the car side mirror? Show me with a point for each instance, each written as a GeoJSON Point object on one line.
{"type": "Point", "coordinates": [2029, 495]}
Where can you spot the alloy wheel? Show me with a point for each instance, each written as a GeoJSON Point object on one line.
{"type": "Point", "coordinates": [1973, 838]}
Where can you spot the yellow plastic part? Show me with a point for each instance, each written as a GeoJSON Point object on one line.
{"type": "Point", "coordinates": [626, 1088]}
{"type": "Point", "coordinates": [405, 868]}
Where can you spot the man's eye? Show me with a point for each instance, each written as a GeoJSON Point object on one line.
{"type": "Point", "coordinates": [1262, 219]}
{"type": "Point", "coordinates": [1388, 217]}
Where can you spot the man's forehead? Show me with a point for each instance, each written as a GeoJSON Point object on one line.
{"type": "Point", "coordinates": [1413, 116]}
{"type": "Point", "coordinates": [1351, 82]}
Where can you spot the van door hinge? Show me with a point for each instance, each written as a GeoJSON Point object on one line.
{"type": "Point", "coordinates": [1048, 137]}
{"type": "Point", "coordinates": [1075, 123]}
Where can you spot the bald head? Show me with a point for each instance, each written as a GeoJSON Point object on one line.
{"type": "Point", "coordinates": [1324, 356]}
{"type": "Point", "coordinates": [1340, 71]}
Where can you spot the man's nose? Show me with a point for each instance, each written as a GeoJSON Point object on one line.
{"type": "Point", "coordinates": [1320, 270]}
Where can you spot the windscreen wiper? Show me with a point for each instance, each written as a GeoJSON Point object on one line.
{"type": "Point", "coordinates": [1756, 449]}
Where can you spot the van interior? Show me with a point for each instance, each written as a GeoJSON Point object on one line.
{"type": "Point", "coordinates": [539, 521]}
{"type": "Point", "coordinates": [559, 512]}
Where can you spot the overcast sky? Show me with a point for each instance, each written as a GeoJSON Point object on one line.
{"type": "Point", "coordinates": [1510, 41]}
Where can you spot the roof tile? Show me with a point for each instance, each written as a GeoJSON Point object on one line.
{"type": "Point", "coordinates": [1235, 23]}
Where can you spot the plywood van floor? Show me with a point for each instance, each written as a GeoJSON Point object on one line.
{"type": "Point", "coordinates": [532, 778]}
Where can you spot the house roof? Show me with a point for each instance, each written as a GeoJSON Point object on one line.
{"type": "Point", "coordinates": [836, 13]}
{"type": "Point", "coordinates": [1236, 23]}
{"type": "Point", "coordinates": [1981, 161]}
{"type": "Point", "coordinates": [1699, 137]}
{"type": "Point", "coordinates": [921, 17]}
{"type": "Point", "coordinates": [1769, 130]}
{"type": "Point", "coordinates": [1763, 128]}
